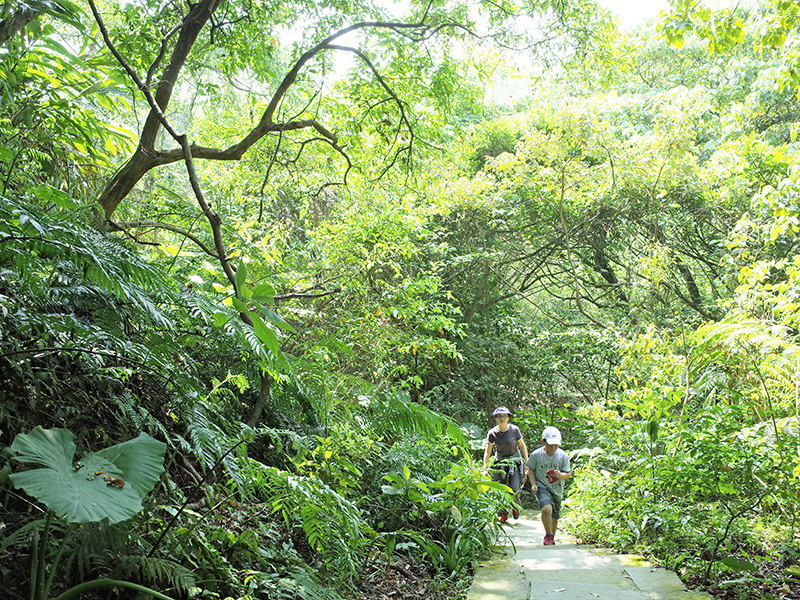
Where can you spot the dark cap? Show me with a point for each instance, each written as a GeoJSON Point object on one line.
{"type": "Point", "coordinates": [501, 410]}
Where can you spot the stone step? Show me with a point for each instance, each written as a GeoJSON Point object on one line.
{"type": "Point", "coordinates": [499, 589]}
{"type": "Point", "coordinates": [569, 590]}
{"type": "Point", "coordinates": [600, 576]}
{"type": "Point", "coordinates": [528, 570]}
{"type": "Point", "coordinates": [552, 558]}
{"type": "Point", "coordinates": [653, 579]}
{"type": "Point", "coordinates": [499, 570]}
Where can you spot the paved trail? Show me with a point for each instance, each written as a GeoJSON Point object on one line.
{"type": "Point", "coordinates": [566, 571]}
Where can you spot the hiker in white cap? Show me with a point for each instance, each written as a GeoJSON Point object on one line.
{"type": "Point", "coordinates": [547, 468]}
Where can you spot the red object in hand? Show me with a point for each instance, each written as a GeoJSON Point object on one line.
{"type": "Point", "coordinates": [551, 476]}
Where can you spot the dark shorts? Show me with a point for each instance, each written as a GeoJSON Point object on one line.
{"type": "Point", "coordinates": [509, 473]}
{"type": "Point", "coordinates": [545, 497]}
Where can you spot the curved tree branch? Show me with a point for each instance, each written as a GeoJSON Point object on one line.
{"type": "Point", "coordinates": [400, 105]}
{"type": "Point", "coordinates": [161, 54]}
{"type": "Point", "coordinates": [307, 294]}
{"type": "Point", "coordinates": [147, 157]}
{"type": "Point", "coordinates": [125, 225]}
{"type": "Point", "coordinates": [577, 287]}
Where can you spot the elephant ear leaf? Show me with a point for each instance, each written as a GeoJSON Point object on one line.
{"type": "Point", "coordinates": [141, 460]}
{"type": "Point", "coordinates": [108, 484]}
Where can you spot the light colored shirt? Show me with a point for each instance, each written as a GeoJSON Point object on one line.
{"type": "Point", "coordinates": [539, 463]}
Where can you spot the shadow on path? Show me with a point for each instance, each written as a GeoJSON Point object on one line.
{"type": "Point", "coordinates": [567, 571]}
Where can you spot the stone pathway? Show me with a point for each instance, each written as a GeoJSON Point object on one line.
{"type": "Point", "coordinates": [567, 571]}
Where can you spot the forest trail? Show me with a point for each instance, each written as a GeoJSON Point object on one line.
{"type": "Point", "coordinates": [567, 571]}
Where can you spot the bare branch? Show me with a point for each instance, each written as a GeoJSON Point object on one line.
{"type": "Point", "coordinates": [400, 106]}
{"type": "Point", "coordinates": [305, 294]}
{"type": "Point", "coordinates": [533, 303]}
{"type": "Point", "coordinates": [125, 225]}
{"type": "Point", "coordinates": [161, 54]}
{"type": "Point", "coordinates": [202, 12]}
{"type": "Point", "coordinates": [577, 294]}
{"type": "Point", "coordinates": [266, 176]}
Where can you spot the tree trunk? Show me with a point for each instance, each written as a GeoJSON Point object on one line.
{"type": "Point", "coordinates": [146, 156]}
{"type": "Point", "coordinates": [602, 266]}
{"type": "Point", "coordinates": [263, 398]}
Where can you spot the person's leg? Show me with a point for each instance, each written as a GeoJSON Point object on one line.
{"type": "Point", "coordinates": [499, 475]}
{"type": "Point", "coordinates": [546, 506]}
{"type": "Point", "coordinates": [547, 519]}
{"type": "Point", "coordinates": [556, 513]}
{"type": "Point", "coordinates": [513, 483]}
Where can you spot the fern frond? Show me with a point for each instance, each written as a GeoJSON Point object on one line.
{"type": "Point", "coordinates": [331, 523]}
{"type": "Point", "coordinates": [298, 584]}
{"type": "Point", "coordinates": [50, 251]}
{"type": "Point", "coordinates": [92, 547]}
{"type": "Point", "coordinates": [137, 415]}
{"type": "Point", "coordinates": [82, 293]}
{"type": "Point", "coordinates": [396, 415]}
{"type": "Point", "coordinates": [212, 443]}
{"type": "Point", "coordinates": [154, 571]}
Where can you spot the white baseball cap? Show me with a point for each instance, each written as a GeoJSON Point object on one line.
{"type": "Point", "coordinates": [551, 435]}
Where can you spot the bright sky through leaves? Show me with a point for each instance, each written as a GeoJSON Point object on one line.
{"type": "Point", "coordinates": [634, 12]}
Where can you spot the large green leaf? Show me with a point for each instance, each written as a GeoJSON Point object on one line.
{"type": "Point", "coordinates": [732, 563]}
{"type": "Point", "coordinates": [81, 492]}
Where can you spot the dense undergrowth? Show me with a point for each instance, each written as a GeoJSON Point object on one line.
{"type": "Point", "coordinates": [715, 498]}
{"type": "Point", "coordinates": [293, 508]}
{"type": "Point", "coordinates": [99, 343]}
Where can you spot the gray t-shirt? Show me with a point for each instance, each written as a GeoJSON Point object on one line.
{"type": "Point", "coordinates": [540, 464]}
{"type": "Point", "coordinates": [505, 442]}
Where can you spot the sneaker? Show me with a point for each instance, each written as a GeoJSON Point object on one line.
{"type": "Point", "coordinates": [550, 539]}
{"type": "Point", "coordinates": [516, 514]}
{"type": "Point", "coordinates": [503, 518]}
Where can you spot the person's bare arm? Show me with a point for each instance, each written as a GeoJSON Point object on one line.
{"type": "Point", "coordinates": [486, 456]}
{"type": "Point", "coordinates": [532, 479]}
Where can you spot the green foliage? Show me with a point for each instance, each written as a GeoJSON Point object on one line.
{"type": "Point", "coordinates": [56, 129]}
{"type": "Point", "coordinates": [80, 275]}
{"type": "Point", "coordinates": [394, 416]}
{"type": "Point", "coordinates": [490, 140]}
{"type": "Point", "coordinates": [84, 316]}
{"type": "Point", "coordinates": [127, 472]}
{"type": "Point", "coordinates": [450, 520]}
{"type": "Point", "coordinates": [332, 525]}
{"type": "Point", "coordinates": [621, 264]}
{"type": "Point", "coordinates": [691, 456]}
{"type": "Point", "coordinates": [295, 585]}
{"type": "Point", "coordinates": [216, 443]}
{"type": "Point", "coordinates": [451, 557]}
{"type": "Point", "coordinates": [334, 460]}
{"type": "Point", "coordinates": [109, 484]}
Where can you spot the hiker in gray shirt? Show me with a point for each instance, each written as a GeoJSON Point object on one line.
{"type": "Point", "coordinates": [547, 468]}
